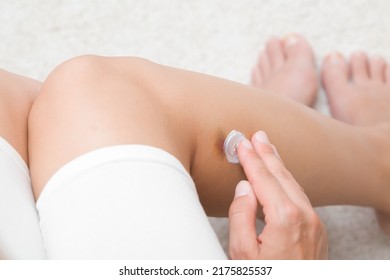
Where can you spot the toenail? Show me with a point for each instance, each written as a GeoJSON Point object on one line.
{"type": "Point", "coordinates": [290, 40]}
{"type": "Point", "coordinates": [377, 57]}
{"type": "Point", "coordinates": [335, 58]}
{"type": "Point", "coordinates": [358, 53]}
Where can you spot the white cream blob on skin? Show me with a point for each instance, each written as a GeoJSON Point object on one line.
{"type": "Point", "coordinates": [230, 146]}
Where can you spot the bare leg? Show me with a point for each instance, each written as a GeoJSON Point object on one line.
{"type": "Point", "coordinates": [359, 94]}
{"type": "Point", "coordinates": [95, 102]}
{"type": "Point", "coordinates": [20, 236]}
{"type": "Point", "coordinates": [16, 96]}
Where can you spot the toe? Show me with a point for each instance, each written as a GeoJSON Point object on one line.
{"type": "Point", "coordinates": [297, 48]}
{"type": "Point", "coordinates": [359, 67]}
{"type": "Point", "coordinates": [387, 74]}
{"type": "Point", "coordinates": [335, 79]}
{"type": "Point", "coordinates": [264, 65]}
{"type": "Point", "coordinates": [335, 74]}
{"type": "Point", "coordinates": [377, 69]}
{"type": "Point", "coordinates": [275, 53]}
{"type": "Point", "coordinates": [261, 70]}
{"type": "Point", "coordinates": [335, 70]}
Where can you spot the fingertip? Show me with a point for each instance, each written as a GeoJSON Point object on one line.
{"type": "Point", "coordinates": [243, 188]}
{"type": "Point", "coordinates": [242, 221]}
{"type": "Point", "coordinates": [246, 144]}
{"type": "Point", "coordinates": [276, 152]}
{"type": "Point", "coordinates": [244, 151]}
{"type": "Point", "coordinates": [261, 137]}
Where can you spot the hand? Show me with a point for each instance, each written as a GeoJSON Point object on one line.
{"type": "Point", "coordinates": [292, 229]}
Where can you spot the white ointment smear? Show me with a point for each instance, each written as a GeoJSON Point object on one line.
{"type": "Point", "coordinates": [230, 145]}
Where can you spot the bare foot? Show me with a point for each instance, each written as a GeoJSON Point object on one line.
{"type": "Point", "coordinates": [287, 67]}
{"type": "Point", "coordinates": [359, 94]}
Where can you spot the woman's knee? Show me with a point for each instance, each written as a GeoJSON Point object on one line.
{"type": "Point", "coordinates": [90, 86]}
{"type": "Point", "coordinates": [91, 102]}
{"type": "Point", "coordinates": [89, 78]}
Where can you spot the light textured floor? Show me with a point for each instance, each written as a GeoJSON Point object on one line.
{"type": "Point", "coordinates": [220, 37]}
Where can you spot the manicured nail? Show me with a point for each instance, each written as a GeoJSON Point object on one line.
{"type": "Point", "coordinates": [276, 152]}
{"type": "Point", "coordinates": [261, 137]}
{"type": "Point", "coordinates": [243, 188]}
{"type": "Point", "coordinates": [246, 144]}
{"type": "Point", "coordinates": [290, 40]}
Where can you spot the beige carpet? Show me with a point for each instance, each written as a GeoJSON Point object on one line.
{"type": "Point", "coordinates": [220, 37]}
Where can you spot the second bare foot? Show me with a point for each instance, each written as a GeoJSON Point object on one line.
{"type": "Point", "coordinates": [287, 67]}
{"type": "Point", "coordinates": [359, 94]}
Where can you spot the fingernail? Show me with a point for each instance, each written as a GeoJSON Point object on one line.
{"type": "Point", "coordinates": [276, 152]}
{"type": "Point", "coordinates": [261, 137]}
{"type": "Point", "coordinates": [243, 188]}
{"type": "Point", "coordinates": [290, 40]}
{"type": "Point", "coordinates": [246, 144]}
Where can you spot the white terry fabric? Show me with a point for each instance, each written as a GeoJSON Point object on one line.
{"type": "Point", "coordinates": [125, 202]}
{"type": "Point", "coordinates": [20, 237]}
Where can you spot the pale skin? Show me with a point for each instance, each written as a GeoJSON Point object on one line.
{"type": "Point", "coordinates": [292, 229]}
{"type": "Point", "coordinates": [17, 97]}
{"type": "Point", "coordinates": [92, 102]}
{"type": "Point", "coordinates": [17, 94]}
{"type": "Point", "coordinates": [110, 101]}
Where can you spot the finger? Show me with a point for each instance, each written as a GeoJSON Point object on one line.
{"type": "Point", "coordinates": [242, 222]}
{"type": "Point", "coordinates": [267, 189]}
{"type": "Point", "coordinates": [271, 159]}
